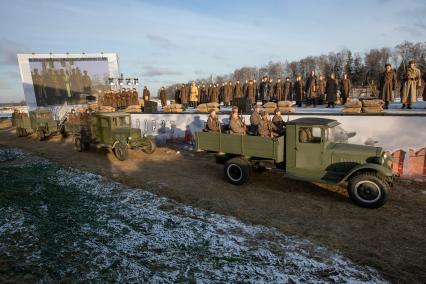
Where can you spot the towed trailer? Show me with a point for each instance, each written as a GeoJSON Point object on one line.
{"type": "Point", "coordinates": [306, 152]}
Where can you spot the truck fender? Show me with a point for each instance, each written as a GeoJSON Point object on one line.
{"type": "Point", "coordinates": [115, 144]}
{"type": "Point", "coordinates": [381, 170]}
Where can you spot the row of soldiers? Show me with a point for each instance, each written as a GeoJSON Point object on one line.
{"type": "Point", "coordinates": [260, 123]}
{"type": "Point", "coordinates": [53, 86]}
{"type": "Point", "coordinates": [119, 99]}
{"type": "Point", "coordinates": [411, 82]}
{"type": "Point", "coordinates": [311, 91]}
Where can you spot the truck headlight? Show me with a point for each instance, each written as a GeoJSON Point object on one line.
{"type": "Point", "coordinates": [385, 156]}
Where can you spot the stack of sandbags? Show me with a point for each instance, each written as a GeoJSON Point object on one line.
{"type": "Point", "coordinates": [286, 106]}
{"type": "Point", "coordinates": [92, 105]}
{"type": "Point", "coordinates": [105, 109]}
{"type": "Point", "coordinates": [133, 108]}
{"type": "Point", "coordinates": [270, 107]}
{"type": "Point", "coordinates": [80, 110]}
{"type": "Point", "coordinates": [173, 108]}
{"type": "Point", "coordinates": [352, 106]}
{"type": "Point", "coordinates": [372, 106]}
{"type": "Point", "coordinates": [207, 107]}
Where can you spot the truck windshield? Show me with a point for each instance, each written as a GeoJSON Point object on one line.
{"type": "Point", "coordinates": [122, 121]}
{"type": "Point", "coordinates": [330, 134]}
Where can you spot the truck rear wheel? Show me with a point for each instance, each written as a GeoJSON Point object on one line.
{"type": "Point", "coordinates": [237, 171]}
{"type": "Point", "coordinates": [120, 151]}
{"type": "Point", "coordinates": [368, 190]}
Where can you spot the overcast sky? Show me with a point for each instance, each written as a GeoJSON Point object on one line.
{"type": "Point", "coordinates": [162, 42]}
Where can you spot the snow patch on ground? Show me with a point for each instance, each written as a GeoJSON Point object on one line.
{"type": "Point", "coordinates": [136, 236]}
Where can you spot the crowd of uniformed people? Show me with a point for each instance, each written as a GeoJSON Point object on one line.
{"type": "Point", "coordinates": [314, 90]}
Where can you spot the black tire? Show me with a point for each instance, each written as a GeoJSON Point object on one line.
{"type": "Point", "coordinates": [237, 171]}
{"type": "Point", "coordinates": [78, 146]}
{"type": "Point", "coordinates": [86, 146]}
{"type": "Point", "coordinates": [63, 132]}
{"type": "Point", "coordinates": [368, 190]}
{"type": "Point", "coordinates": [121, 151]}
{"type": "Point", "coordinates": [40, 135]}
{"type": "Point", "coordinates": [150, 147]}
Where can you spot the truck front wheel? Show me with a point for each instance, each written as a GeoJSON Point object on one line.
{"type": "Point", "coordinates": [368, 190]}
{"type": "Point", "coordinates": [120, 151]}
{"type": "Point", "coordinates": [40, 135]}
{"type": "Point", "coordinates": [237, 171]}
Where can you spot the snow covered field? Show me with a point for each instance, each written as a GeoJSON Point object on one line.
{"type": "Point", "coordinates": [64, 224]}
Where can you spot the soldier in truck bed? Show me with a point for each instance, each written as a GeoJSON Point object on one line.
{"type": "Point", "coordinates": [265, 125]}
{"type": "Point", "coordinates": [236, 125]}
{"type": "Point", "coordinates": [213, 124]}
{"type": "Point", "coordinates": [278, 124]}
{"type": "Point", "coordinates": [255, 119]}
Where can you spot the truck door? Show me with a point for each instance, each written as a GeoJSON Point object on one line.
{"type": "Point", "coordinates": [309, 148]}
{"type": "Point", "coordinates": [104, 131]}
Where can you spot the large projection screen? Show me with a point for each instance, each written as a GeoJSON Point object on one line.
{"type": "Point", "coordinates": [51, 80]}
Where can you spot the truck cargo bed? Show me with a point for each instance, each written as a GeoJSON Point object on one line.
{"type": "Point", "coordinates": [244, 145]}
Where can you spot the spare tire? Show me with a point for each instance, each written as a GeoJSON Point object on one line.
{"type": "Point", "coordinates": [237, 171]}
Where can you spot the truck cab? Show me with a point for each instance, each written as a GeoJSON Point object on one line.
{"type": "Point", "coordinates": [312, 152]}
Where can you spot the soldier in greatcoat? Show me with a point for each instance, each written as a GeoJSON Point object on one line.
{"type": "Point", "coordinates": [236, 125]}
{"type": "Point", "coordinates": [163, 96]}
{"type": "Point", "coordinates": [278, 91]}
{"type": "Point", "coordinates": [287, 90]}
{"type": "Point", "coordinates": [265, 125]}
{"type": "Point", "coordinates": [298, 91]}
{"type": "Point", "coordinates": [237, 90]}
{"type": "Point", "coordinates": [411, 81]}
{"type": "Point", "coordinates": [345, 88]}
{"type": "Point", "coordinates": [331, 89]}
{"type": "Point", "coordinates": [227, 93]}
{"type": "Point", "coordinates": [321, 90]}
{"type": "Point", "coordinates": [213, 123]}
{"type": "Point", "coordinates": [387, 85]}
{"type": "Point", "coordinates": [311, 89]}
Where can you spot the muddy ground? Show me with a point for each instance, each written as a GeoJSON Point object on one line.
{"type": "Point", "coordinates": [390, 239]}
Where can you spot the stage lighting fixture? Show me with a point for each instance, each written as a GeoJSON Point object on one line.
{"type": "Point", "coordinates": [136, 81]}
{"type": "Point", "coordinates": [111, 81]}
{"type": "Point", "coordinates": [128, 81]}
{"type": "Point", "coordinates": [120, 81]}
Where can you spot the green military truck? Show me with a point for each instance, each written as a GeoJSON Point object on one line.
{"type": "Point", "coordinates": [306, 152]}
{"type": "Point", "coordinates": [112, 130]}
{"type": "Point", "coordinates": [39, 121]}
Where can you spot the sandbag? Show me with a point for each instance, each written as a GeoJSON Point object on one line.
{"type": "Point", "coordinates": [213, 105]}
{"type": "Point", "coordinates": [270, 109]}
{"type": "Point", "coordinates": [287, 109]}
{"type": "Point", "coordinates": [372, 103]}
{"type": "Point", "coordinates": [372, 109]}
{"type": "Point", "coordinates": [285, 104]}
{"type": "Point", "coordinates": [351, 110]}
{"type": "Point", "coordinates": [353, 104]}
{"type": "Point", "coordinates": [270, 105]}
{"type": "Point", "coordinates": [177, 106]}
{"type": "Point", "coordinates": [105, 109]}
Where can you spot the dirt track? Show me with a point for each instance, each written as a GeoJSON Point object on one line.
{"type": "Point", "coordinates": [390, 239]}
